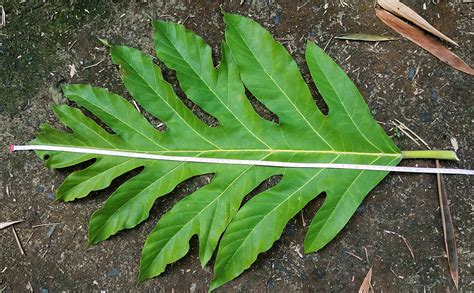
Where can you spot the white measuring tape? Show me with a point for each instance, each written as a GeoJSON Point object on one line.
{"type": "Point", "coordinates": [240, 162]}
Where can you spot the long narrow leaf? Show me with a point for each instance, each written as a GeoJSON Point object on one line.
{"type": "Point", "coordinates": [365, 37]}
{"type": "Point", "coordinates": [448, 229]}
{"type": "Point", "coordinates": [421, 39]}
{"type": "Point", "coordinates": [400, 9]}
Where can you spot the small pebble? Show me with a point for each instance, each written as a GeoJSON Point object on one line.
{"type": "Point", "coordinates": [361, 209]}
{"type": "Point", "coordinates": [318, 273]}
{"type": "Point", "coordinates": [434, 95]}
{"type": "Point", "coordinates": [303, 276]}
{"type": "Point", "coordinates": [51, 195]}
{"type": "Point", "coordinates": [192, 289]}
{"type": "Point", "coordinates": [411, 73]}
{"type": "Point", "coordinates": [289, 230]}
{"type": "Point", "coordinates": [270, 284]}
{"type": "Point", "coordinates": [51, 230]}
{"type": "Point", "coordinates": [277, 18]}
{"type": "Point", "coordinates": [44, 290]}
{"type": "Point", "coordinates": [113, 273]}
{"type": "Point", "coordinates": [425, 117]}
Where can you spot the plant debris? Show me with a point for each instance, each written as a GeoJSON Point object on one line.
{"type": "Point", "coordinates": [365, 37]}
{"type": "Point", "coordinates": [20, 247]}
{"type": "Point", "coordinates": [448, 229]}
{"type": "Point", "coordinates": [3, 21]}
{"type": "Point", "coordinates": [400, 9]}
{"type": "Point", "coordinates": [366, 285]}
{"type": "Point", "coordinates": [8, 224]}
{"type": "Point", "coordinates": [421, 39]}
{"type": "Point", "coordinates": [408, 245]}
{"type": "Point", "coordinates": [72, 70]}
{"type": "Point", "coordinates": [93, 65]}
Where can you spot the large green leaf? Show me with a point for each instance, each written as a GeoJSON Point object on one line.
{"type": "Point", "coordinates": [251, 59]}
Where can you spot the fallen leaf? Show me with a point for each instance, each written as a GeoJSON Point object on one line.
{"type": "Point", "coordinates": [400, 9]}
{"type": "Point", "coordinates": [366, 285]}
{"type": "Point", "coordinates": [448, 229]}
{"type": "Point", "coordinates": [365, 37]}
{"type": "Point", "coordinates": [421, 39]}
{"type": "Point", "coordinates": [73, 70]}
{"type": "Point", "coordinates": [8, 224]}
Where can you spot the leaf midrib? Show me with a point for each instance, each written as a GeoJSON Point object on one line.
{"type": "Point", "coordinates": [195, 153]}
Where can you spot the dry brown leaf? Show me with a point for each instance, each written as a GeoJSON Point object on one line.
{"type": "Point", "coordinates": [400, 9]}
{"type": "Point", "coordinates": [448, 229]}
{"type": "Point", "coordinates": [366, 285]}
{"type": "Point", "coordinates": [421, 39]}
{"type": "Point", "coordinates": [8, 224]}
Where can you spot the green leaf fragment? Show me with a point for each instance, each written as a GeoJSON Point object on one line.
{"type": "Point", "coordinates": [365, 37]}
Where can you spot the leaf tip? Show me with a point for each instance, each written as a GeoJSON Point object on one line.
{"type": "Point", "coordinates": [104, 42]}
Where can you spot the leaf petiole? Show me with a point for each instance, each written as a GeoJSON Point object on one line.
{"type": "Point", "coordinates": [430, 154]}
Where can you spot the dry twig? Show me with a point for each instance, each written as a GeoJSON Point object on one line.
{"type": "Point", "coordinates": [29, 238]}
{"type": "Point", "coordinates": [396, 275]}
{"type": "Point", "coordinates": [42, 225]}
{"type": "Point", "coordinates": [18, 241]}
{"type": "Point", "coordinates": [93, 65]}
{"type": "Point", "coordinates": [408, 245]}
{"type": "Point", "coordinates": [354, 255]}
{"type": "Point", "coordinates": [72, 45]}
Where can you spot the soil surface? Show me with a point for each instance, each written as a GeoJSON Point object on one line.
{"type": "Point", "coordinates": [42, 39]}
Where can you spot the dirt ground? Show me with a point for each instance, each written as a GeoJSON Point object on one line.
{"type": "Point", "coordinates": [40, 42]}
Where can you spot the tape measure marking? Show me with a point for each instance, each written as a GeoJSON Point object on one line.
{"type": "Point", "coordinates": [241, 162]}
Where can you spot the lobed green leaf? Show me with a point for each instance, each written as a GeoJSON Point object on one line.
{"type": "Point", "coordinates": [253, 60]}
